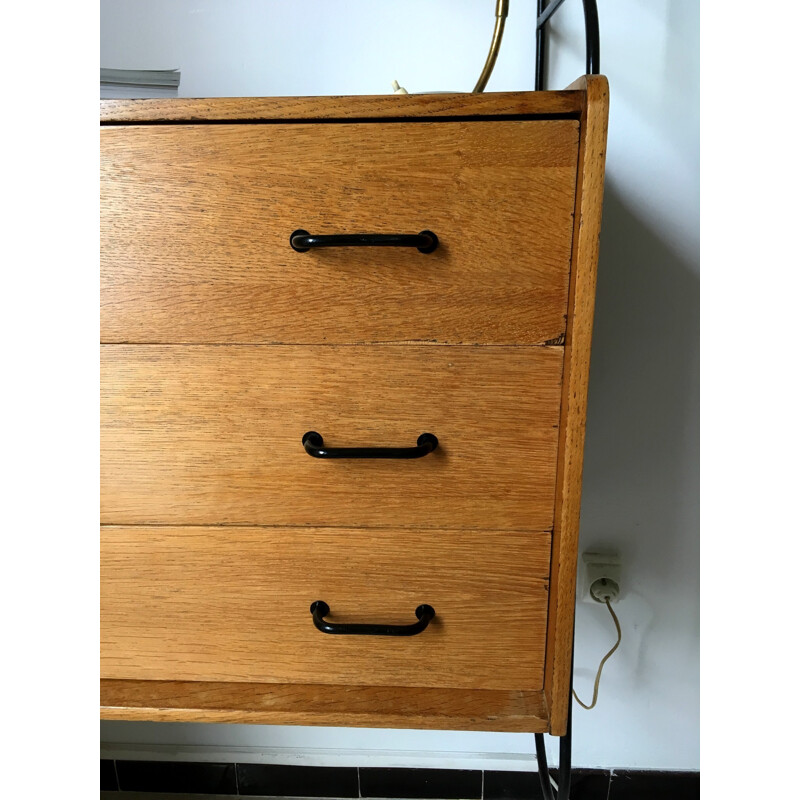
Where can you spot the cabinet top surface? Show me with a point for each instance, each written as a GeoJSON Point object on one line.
{"type": "Point", "coordinates": [359, 107]}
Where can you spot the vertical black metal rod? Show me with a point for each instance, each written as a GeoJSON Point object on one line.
{"type": "Point", "coordinates": [545, 10]}
{"type": "Point", "coordinates": [548, 11]}
{"type": "Point", "coordinates": [565, 744]}
{"type": "Point", "coordinates": [592, 37]}
{"type": "Point", "coordinates": [541, 47]}
{"type": "Point", "coordinates": [544, 773]}
{"type": "Point", "coordinates": [564, 749]}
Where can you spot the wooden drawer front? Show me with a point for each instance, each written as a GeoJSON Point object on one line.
{"type": "Point", "coordinates": [212, 434]}
{"type": "Point", "coordinates": [196, 220]}
{"type": "Point", "coordinates": [232, 604]}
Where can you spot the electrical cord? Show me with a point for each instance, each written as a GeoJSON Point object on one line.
{"type": "Point", "coordinates": [602, 663]}
{"type": "Point", "coordinates": [562, 788]}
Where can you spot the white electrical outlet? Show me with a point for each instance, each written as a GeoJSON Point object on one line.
{"type": "Point", "coordinates": [601, 577]}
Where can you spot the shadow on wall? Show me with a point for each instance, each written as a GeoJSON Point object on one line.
{"type": "Point", "coordinates": [640, 490]}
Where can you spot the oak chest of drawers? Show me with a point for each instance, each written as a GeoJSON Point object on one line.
{"type": "Point", "coordinates": [388, 436]}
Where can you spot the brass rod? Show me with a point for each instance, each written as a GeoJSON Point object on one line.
{"type": "Point", "coordinates": [501, 12]}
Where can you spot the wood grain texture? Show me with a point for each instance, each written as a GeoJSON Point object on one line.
{"type": "Point", "coordinates": [215, 604]}
{"type": "Point", "coordinates": [196, 221]}
{"type": "Point", "coordinates": [207, 429]}
{"type": "Point", "coordinates": [195, 434]}
{"type": "Point", "coordinates": [589, 200]}
{"type": "Point", "coordinates": [304, 704]}
{"type": "Point", "coordinates": [228, 109]}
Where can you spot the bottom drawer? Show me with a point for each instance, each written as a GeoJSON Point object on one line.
{"type": "Point", "coordinates": [233, 604]}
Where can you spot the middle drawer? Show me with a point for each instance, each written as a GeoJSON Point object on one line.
{"type": "Point", "coordinates": [211, 434]}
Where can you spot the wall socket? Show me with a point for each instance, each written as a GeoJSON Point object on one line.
{"type": "Point", "coordinates": [600, 577]}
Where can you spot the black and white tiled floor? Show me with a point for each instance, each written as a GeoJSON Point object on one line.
{"type": "Point", "coordinates": [165, 780]}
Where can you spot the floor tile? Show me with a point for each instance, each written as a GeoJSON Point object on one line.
{"type": "Point", "coordinates": [108, 775]}
{"type": "Point", "coordinates": [443, 784]}
{"type": "Point", "coordinates": [587, 784]}
{"type": "Point", "coordinates": [511, 786]}
{"type": "Point", "coordinates": [654, 785]}
{"type": "Point", "coordinates": [294, 781]}
{"type": "Point", "coordinates": [175, 776]}
{"type": "Point", "coordinates": [160, 796]}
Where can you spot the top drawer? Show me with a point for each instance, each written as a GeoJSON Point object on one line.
{"type": "Point", "coordinates": [196, 220]}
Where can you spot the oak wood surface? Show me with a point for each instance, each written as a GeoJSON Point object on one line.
{"type": "Point", "coordinates": [227, 109]}
{"type": "Point", "coordinates": [170, 291]}
{"type": "Point", "coordinates": [212, 434]}
{"type": "Point", "coordinates": [577, 349]}
{"type": "Point", "coordinates": [196, 222]}
{"type": "Point", "coordinates": [217, 604]}
{"type": "Point", "coordinates": [307, 704]}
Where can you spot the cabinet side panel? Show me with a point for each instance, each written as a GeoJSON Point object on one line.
{"type": "Point", "coordinates": [583, 276]}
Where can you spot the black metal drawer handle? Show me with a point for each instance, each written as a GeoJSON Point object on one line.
{"type": "Point", "coordinates": [312, 441]}
{"type": "Point", "coordinates": [425, 241]}
{"type": "Point", "coordinates": [320, 609]}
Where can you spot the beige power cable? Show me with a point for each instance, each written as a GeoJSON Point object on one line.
{"type": "Point", "coordinates": [605, 658]}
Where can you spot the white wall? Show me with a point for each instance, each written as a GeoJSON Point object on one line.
{"type": "Point", "coordinates": [641, 472]}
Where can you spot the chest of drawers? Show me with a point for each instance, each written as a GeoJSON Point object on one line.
{"type": "Point", "coordinates": [340, 484]}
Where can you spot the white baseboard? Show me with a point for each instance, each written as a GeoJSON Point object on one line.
{"type": "Point", "coordinates": [319, 757]}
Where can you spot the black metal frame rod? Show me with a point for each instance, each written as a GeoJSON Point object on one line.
{"type": "Point", "coordinates": [541, 47]}
{"type": "Point", "coordinates": [564, 750]}
{"type": "Point", "coordinates": [544, 11]}
{"type": "Point", "coordinates": [592, 24]}
{"type": "Point", "coordinates": [547, 12]}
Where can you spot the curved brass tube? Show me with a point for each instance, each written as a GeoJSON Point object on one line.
{"type": "Point", "coordinates": [501, 12]}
